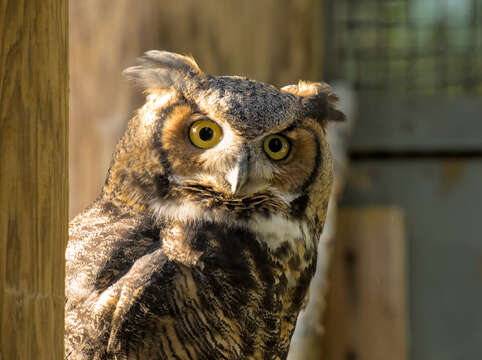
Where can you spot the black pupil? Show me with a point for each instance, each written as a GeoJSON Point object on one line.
{"type": "Point", "coordinates": [206, 133]}
{"type": "Point", "coordinates": [275, 145]}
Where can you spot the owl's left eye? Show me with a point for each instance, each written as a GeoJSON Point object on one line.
{"type": "Point", "coordinates": [205, 134]}
{"type": "Point", "coordinates": [277, 147]}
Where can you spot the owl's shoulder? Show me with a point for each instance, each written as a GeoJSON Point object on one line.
{"type": "Point", "coordinates": [116, 268]}
{"type": "Point", "coordinates": [103, 245]}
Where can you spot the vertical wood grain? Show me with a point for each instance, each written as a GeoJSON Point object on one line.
{"type": "Point", "coordinates": [366, 312]}
{"type": "Point", "coordinates": [33, 177]}
{"type": "Point", "coordinates": [276, 41]}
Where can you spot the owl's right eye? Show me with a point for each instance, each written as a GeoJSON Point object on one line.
{"type": "Point", "coordinates": [205, 134]}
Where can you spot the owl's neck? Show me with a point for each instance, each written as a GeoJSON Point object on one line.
{"type": "Point", "coordinates": [273, 229]}
{"type": "Point", "coordinates": [196, 236]}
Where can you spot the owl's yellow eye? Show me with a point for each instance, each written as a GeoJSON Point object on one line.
{"type": "Point", "coordinates": [277, 147]}
{"type": "Point", "coordinates": [205, 134]}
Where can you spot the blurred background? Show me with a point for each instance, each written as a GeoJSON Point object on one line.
{"type": "Point", "coordinates": [404, 279]}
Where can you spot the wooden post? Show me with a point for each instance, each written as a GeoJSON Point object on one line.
{"type": "Point", "coordinates": [33, 177]}
{"type": "Point", "coordinates": [366, 311]}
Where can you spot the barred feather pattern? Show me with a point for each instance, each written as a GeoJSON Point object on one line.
{"type": "Point", "coordinates": [227, 297]}
{"type": "Point", "coordinates": [168, 262]}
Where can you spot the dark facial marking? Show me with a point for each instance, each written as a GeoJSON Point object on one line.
{"type": "Point", "coordinates": [161, 182]}
{"type": "Point", "coordinates": [166, 165]}
{"type": "Point", "coordinates": [317, 163]}
{"type": "Point", "coordinates": [299, 205]}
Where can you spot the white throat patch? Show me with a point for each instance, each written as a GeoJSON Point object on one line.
{"type": "Point", "coordinates": [273, 231]}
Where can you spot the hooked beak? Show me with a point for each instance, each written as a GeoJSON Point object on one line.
{"type": "Point", "coordinates": [238, 176]}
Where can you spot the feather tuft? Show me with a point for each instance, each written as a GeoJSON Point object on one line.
{"type": "Point", "coordinates": [318, 100]}
{"type": "Point", "coordinates": [163, 70]}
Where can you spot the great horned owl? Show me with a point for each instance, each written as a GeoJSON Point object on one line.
{"type": "Point", "coordinates": [203, 241]}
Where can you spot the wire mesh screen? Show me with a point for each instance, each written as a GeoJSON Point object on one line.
{"type": "Point", "coordinates": [417, 46]}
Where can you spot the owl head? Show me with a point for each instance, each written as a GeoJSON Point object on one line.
{"type": "Point", "coordinates": [227, 143]}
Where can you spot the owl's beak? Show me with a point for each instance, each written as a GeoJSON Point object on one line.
{"type": "Point", "coordinates": [239, 174]}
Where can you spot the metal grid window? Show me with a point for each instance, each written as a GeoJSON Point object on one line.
{"type": "Point", "coordinates": [418, 46]}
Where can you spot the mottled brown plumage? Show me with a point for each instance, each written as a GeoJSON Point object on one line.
{"type": "Point", "coordinates": [201, 253]}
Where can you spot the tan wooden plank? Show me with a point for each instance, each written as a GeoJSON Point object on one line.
{"type": "Point", "coordinates": [33, 177]}
{"type": "Point", "coordinates": [366, 312]}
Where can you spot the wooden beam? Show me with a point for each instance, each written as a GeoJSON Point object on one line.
{"type": "Point", "coordinates": [400, 123]}
{"type": "Point", "coordinates": [366, 312]}
{"type": "Point", "coordinates": [279, 42]}
{"type": "Point", "coordinates": [33, 177]}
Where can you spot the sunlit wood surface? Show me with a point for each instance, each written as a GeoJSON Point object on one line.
{"type": "Point", "coordinates": [33, 177]}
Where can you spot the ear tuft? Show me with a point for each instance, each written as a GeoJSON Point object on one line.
{"type": "Point", "coordinates": [163, 70]}
{"type": "Point", "coordinates": [318, 101]}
